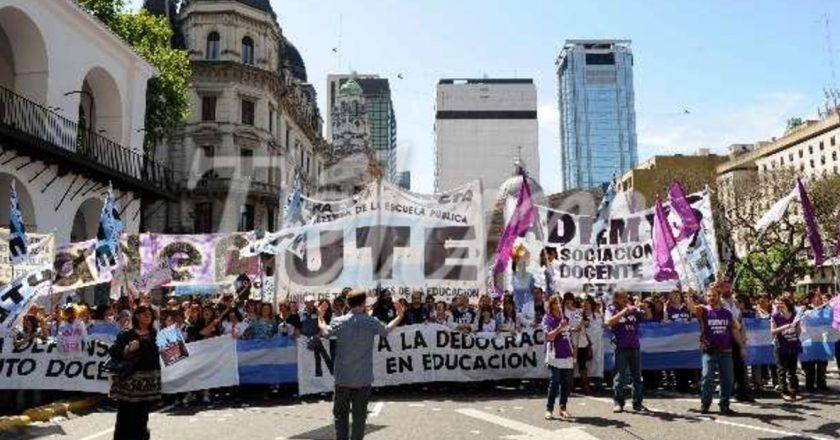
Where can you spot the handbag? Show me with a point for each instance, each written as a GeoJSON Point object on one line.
{"type": "Point", "coordinates": [589, 352]}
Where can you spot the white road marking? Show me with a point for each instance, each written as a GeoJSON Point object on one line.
{"type": "Point", "coordinates": [99, 434]}
{"type": "Point", "coordinates": [377, 408]}
{"type": "Point", "coordinates": [529, 432]}
{"type": "Point", "coordinates": [417, 405]}
{"type": "Point", "coordinates": [726, 422]}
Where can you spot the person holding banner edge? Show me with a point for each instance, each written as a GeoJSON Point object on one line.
{"type": "Point", "coordinates": [624, 319]}
{"type": "Point", "coordinates": [354, 334]}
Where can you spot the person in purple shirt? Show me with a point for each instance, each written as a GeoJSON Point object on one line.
{"type": "Point", "coordinates": [785, 329]}
{"type": "Point", "coordinates": [624, 318]}
{"type": "Point", "coordinates": [718, 331]}
{"type": "Point", "coordinates": [559, 357]}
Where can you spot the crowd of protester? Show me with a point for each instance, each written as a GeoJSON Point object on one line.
{"type": "Point", "coordinates": [204, 317]}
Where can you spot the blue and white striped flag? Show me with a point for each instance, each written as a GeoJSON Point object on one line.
{"type": "Point", "coordinates": [108, 238]}
{"type": "Point", "coordinates": [18, 241]}
{"type": "Point", "coordinates": [602, 216]}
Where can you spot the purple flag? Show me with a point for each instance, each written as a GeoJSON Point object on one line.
{"type": "Point", "coordinates": [811, 227]}
{"type": "Point", "coordinates": [688, 220]}
{"type": "Point", "coordinates": [521, 220]}
{"type": "Point", "coordinates": [663, 243]}
{"type": "Point", "coordinates": [835, 307]}
{"type": "Point", "coordinates": [837, 247]}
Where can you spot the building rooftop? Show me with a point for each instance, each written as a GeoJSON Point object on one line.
{"type": "Point", "coordinates": [792, 137]}
{"type": "Point", "coordinates": [486, 81]}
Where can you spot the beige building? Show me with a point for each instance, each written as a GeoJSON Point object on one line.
{"type": "Point", "coordinates": [254, 125]}
{"type": "Point", "coordinates": [654, 175]}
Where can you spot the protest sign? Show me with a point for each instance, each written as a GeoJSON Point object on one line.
{"type": "Point", "coordinates": [212, 363]}
{"type": "Point", "coordinates": [432, 353]}
{"type": "Point", "coordinates": [195, 259]}
{"type": "Point", "coordinates": [42, 366]}
{"type": "Point", "coordinates": [622, 254]}
{"type": "Point", "coordinates": [386, 236]}
{"type": "Point", "coordinates": [17, 296]}
{"type": "Point", "coordinates": [171, 345]}
{"type": "Point", "coordinates": [40, 253]}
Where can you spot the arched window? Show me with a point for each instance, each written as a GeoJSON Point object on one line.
{"type": "Point", "coordinates": [212, 52]}
{"type": "Point", "coordinates": [247, 50]}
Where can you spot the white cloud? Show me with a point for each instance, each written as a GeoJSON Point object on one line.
{"type": "Point", "coordinates": [717, 128]}
{"type": "Point", "coordinates": [547, 114]}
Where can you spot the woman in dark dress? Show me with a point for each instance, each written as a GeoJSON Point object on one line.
{"type": "Point", "coordinates": [138, 387]}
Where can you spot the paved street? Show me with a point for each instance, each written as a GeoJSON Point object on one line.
{"type": "Point", "coordinates": [503, 412]}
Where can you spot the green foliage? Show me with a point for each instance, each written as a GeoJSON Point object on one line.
{"type": "Point", "coordinates": [106, 11]}
{"type": "Point", "coordinates": [167, 99]}
{"type": "Point", "coordinates": [825, 196]}
{"type": "Point", "coordinates": [773, 270]}
{"type": "Point", "coordinates": [793, 123]}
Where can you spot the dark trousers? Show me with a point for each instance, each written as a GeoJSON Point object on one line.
{"type": "Point", "coordinates": [742, 383]}
{"type": "Point", "coordinates": [628, 369]}
{"type": "Point", "coordinates": [559, 385]}
{"type": "Point", "coordinates": [132, 421]}
{"type": "Point", "coordinates": [346, 401]}
{"type": "Point", "coordinates": [815, 375]}
{"type": "Point", "coordinates": [786, 367]}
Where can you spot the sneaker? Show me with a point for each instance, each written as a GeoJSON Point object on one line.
{"type": "Point", "coordinates": [727, 411]}
{"type": "Point", "coordinates": [565, 416]}
{"type": "Point", "coordinates": [704, 409]}
{"type": "Point", "coordinates": [788, 398]}
{"type": "Point", "coordinates": [549, 416]}
{"type": "Point", "coordinates": [187, 400]}
{"type": "Point", "coordinates": [639, 408]}
{"type": "Point", "coordinates": [618, 408]}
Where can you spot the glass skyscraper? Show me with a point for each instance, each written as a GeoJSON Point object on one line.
{"type": "Point", "coordinates": [597, 116]}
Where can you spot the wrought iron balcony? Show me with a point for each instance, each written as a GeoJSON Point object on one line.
{"type": "Point", "coordinates": [41, 134]}
{"type": "Point", "coordinates": [214, 185]}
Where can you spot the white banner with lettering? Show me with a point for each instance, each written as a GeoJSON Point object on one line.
{"type": "Point", "coordinates": [623, 257]}
{"type": "Point", "coordinates": [431, 353]}
{"type": "Point", "coordinates": [42, 366]}
{"type": "Point", "coordinates": [386, 236]}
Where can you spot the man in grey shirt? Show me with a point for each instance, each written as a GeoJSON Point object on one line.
{"type": "Point", "coordinates": [353, 362]}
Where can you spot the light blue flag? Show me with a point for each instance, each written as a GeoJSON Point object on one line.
{"type": "Point", "coordinates": [108, 237]}
{"type": "Point", "coordinates": [18, 241]}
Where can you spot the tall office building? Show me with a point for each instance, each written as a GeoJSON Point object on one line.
{"type": "Point", "coordinates": [481, 127]}
{"type": "Point", "coordinates": [382, 121]}
{"type": "Point", "coordinates": [597, 116]}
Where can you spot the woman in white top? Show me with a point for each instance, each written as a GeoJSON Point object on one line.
{"type": "Point", "coordinates": [585, 352]}
{"type": "Point", "coordinates": [507, 318]}
{"type": "Point", "coordinates": [486, 324]}
{"type": "Point", "coordinates": [234, 325]}
{"type": "Point", "coordinates": [595, 331]}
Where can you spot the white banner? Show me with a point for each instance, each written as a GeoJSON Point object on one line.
{"type": "Point", "coordinates": [386, 236]}
{"type": "Point", "coordinates": [41, 366]}
{"type": "Point", "coordinates": [18, 296]}
{"type": "Point", "coordinates": [623, 257]}
{"type": "Point", "coordinates": [432, 353]}
{"type": "Point", "coordinates": [211, 364]}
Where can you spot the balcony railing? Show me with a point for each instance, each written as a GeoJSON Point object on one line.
{"type": "Point", "coordinates": [57, 139]}
{"type": "Point", "coordinates": [225, 185]}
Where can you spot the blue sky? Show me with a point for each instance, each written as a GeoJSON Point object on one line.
{"type": "Point", "coordinates": [740, 67]}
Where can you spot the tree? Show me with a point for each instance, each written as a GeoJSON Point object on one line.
{"type": "Point", "coordinates": [167, 100]}
{"type": "Point", "coordinates": [777, 258]}
{"type": "Point", "coordinates": [793, 123]}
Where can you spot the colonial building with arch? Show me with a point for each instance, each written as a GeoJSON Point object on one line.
{"type": "Point", "coordinates": [254, 126]}
{"type": "Point", "coordinates": [71, 121]}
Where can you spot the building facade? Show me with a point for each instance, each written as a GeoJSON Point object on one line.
{"type": "Point", "coordinates": [481, 126]}
{"type": "Point", "coordinates": [254, 126]}
{"type": "Point", "coordinates": [382, 120]}
{"type": "Point", "coordinates": [597, 112]}
{"type": "Point", "coordinates": [72, 106]}
{"type": "Point", "coordinates": [653, 176]}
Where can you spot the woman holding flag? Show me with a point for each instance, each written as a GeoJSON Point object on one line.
{"type": "Point", "coordinates": [785, 328]}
